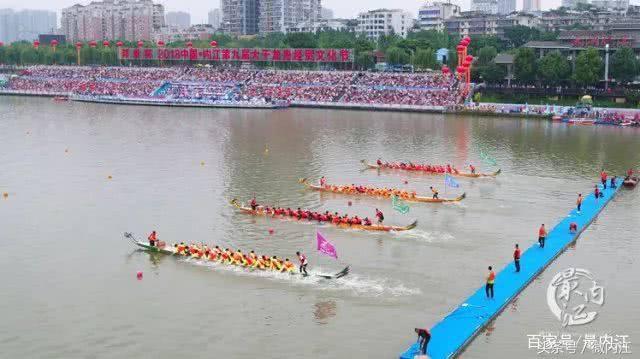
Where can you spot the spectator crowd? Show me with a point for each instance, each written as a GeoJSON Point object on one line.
{"type": "Point", "coordinates": [213, 84]}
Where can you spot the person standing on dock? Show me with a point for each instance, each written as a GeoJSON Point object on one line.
{"type": "Point", "coordinates": [603, 178]}
{"type": "Point", "coordinates": [579, 201]}
{"type": "Point", "coordinates": [491, 278]}
{"type": "Point", "coordinates": [613, 182]}
{"type": "Point", "coordinates": [542, 235]}
{"type": "Point", "coordinates": [423, 339]}
{"type": "Point", "coordinates": [597, 192]}
{"type": "Point", "coordinates": [516, 258]}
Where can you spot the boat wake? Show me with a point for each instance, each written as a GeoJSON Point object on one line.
{"type": "Point", "coordinates": [423, 236]}
{"type": "Point", "coordinates": [357, 285]}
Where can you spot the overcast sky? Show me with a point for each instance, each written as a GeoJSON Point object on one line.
{"type": "Point", "coordinates": [199, 8]}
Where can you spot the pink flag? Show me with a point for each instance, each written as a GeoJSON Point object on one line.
{"type": "Point", "coordinates": [325, 247]}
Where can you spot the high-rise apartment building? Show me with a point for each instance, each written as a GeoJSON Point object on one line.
{"type": "Point", "coordinates": [505, 7]}
{"type": "Point", "coordinates": [26, 24]}
{"type": "Point", "coordinates": [326, 13]}
{"type": "Point", "coordinates": [112, 19]}
{"type": "Point", "coordinates": [384, 22]}
{"type": "Point", "coordinates": [431, 15]}
{"type": "Point", "coordinates": [531, 5]}
{"type": "Point", "coordinates": [278, 15]}
{"type": "Point", "coordinates": [179, 19]}
{"type": "Point", "coordinates": [215, 18]}
{"type": "Point", "coordinates": [240, 17]}
{"type": "Point", "coordinates": [485, 6]}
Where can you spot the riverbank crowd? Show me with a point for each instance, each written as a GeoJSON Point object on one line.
{"type": "Point", "coordinates": [428, 89]}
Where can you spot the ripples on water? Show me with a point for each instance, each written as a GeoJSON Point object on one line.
{"type": "Point", "coordinates": [70, 288]}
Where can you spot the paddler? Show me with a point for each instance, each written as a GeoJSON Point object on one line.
{"type": "Point", "coordinates": [152, 239]}
{"type": "Point", "coordinates": [276, 264]}
{"type": "Point", "coordinates": [303, 263]}
{"type": "Point", "coordinates": [379, 162]}
{"type": "Point", "coordinates": [323, 182]}
{"type": "Point", "coordinates": [472, 168]}
{"type": "Point", "coordinates": [238, 258]}
{"type": "Point", "coordinates": [288, 267]}
{"type": "Point", "coordinates": [380, 216]}
{"type": "Point", "coordinates": [434, 192]}
{"type": "Point", "coordinates": [253, 203]}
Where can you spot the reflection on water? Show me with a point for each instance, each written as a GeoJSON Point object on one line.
{"type": "Point", "coordinates": [399, 281]}
{"type": "Point", "coordinates": [324, 310]}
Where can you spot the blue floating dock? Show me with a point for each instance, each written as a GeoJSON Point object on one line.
{"type": "Point", "coordinates": [453, 333]}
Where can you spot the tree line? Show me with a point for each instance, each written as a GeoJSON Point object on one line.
{"type": "Point", "coordinates": [417, 49]}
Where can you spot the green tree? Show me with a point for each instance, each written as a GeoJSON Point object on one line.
{"type": "Point", "coordinates": [387, 41]}
{"type": "Point", "coordinates": [553, 68]}
{"type": "Point", "coordinates": [425, 59]}
{"type": "Point", "coordinates": [486, 55]}
{"type": "Point", "coordinates": [624, 66]}
{"type": "Point", "coordinates": [588, 67]}
{"type": "Point", "coordinates": [28, 56]}
{"type": "Point", "coordinates": [364, 60]}
{"type": "Point", "coordinates": [397, 56]}
{"type": "Point", "coordinates": [301, 40]}
{"type": "Point", "coordinates": [524, 65]}
{"type": "Point", "coordinates": [519, 35]}
{"type": "Point", "coordinates": [493, 73]}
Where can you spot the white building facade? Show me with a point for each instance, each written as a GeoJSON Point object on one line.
{"type": "Point", "coordinates": [485, 6]}
{"type": "Point", "coordinates": [379, 22]}
{"type": "Point", "coordinates": [431, 15]}
{"type": "Point", "coordinates": [214, 18]}
{"type": "Point", "coordinates": [112, 20]}
{"type": "Point", "coordinates": [278, 15]}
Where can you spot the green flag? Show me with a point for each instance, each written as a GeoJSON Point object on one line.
{"type": "Point", "coordinates": [488, 159]}
{"type": "Point", "coordinates": [399, 205]}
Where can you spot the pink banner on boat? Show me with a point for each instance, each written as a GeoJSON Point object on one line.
{"type": "Point", "coordinates": [325, 247]}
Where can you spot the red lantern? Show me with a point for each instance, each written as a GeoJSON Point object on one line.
{"type": "Point", "coordinates": [160, 43]}
{"type": "Point", "coordinates": [460, 48]}
{"type": "Point", "coordinates": [469, 58]}
{"type": "Point", "coordinates": [460, 70]}
{"type": "Point", "coordinates": [189, 44]}
{"type": "Point", "coordinates": [213, 43]}
{"type": "Point", "coordinates": [54, 43]}
{"type": "Point", "coordinates": [140, 43]}
{"type": "Point", "coordinates": [92, 44]}
{"type": "Point", "coordinates": [105, 43]}
{"type": "Point", "coordinates": [119, 44]}
{"type": "Point", "coordinates": [78, 45]}
{"type": "Point", "coordinates": [36, 44]}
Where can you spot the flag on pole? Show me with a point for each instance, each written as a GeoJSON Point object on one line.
{"type": "Point", "coordinates": [449, 181]}
{"type": "Point", "coordinates": [325, 247]}
{"type": "Point", "coordinates": [399, 205]}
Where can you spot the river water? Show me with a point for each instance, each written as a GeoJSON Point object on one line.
{"type": "Point", "coordinates": [70, 288]}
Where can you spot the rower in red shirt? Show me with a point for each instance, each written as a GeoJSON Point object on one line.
{"type": "Point", "coordinates": [472, 168]}
{"type": "Point", "coordinates": [152, 239]}
{"type": "Point", "coordinates": [379, 215]}
{"type": "Point", "coordinates": [323, 182]}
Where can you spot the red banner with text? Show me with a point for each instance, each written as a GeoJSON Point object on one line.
{"type": "Point", "coordinates": [234, 54]}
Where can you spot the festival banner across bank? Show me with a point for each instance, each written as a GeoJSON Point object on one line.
{"type": "Point", "coordinates": [237, 54]}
